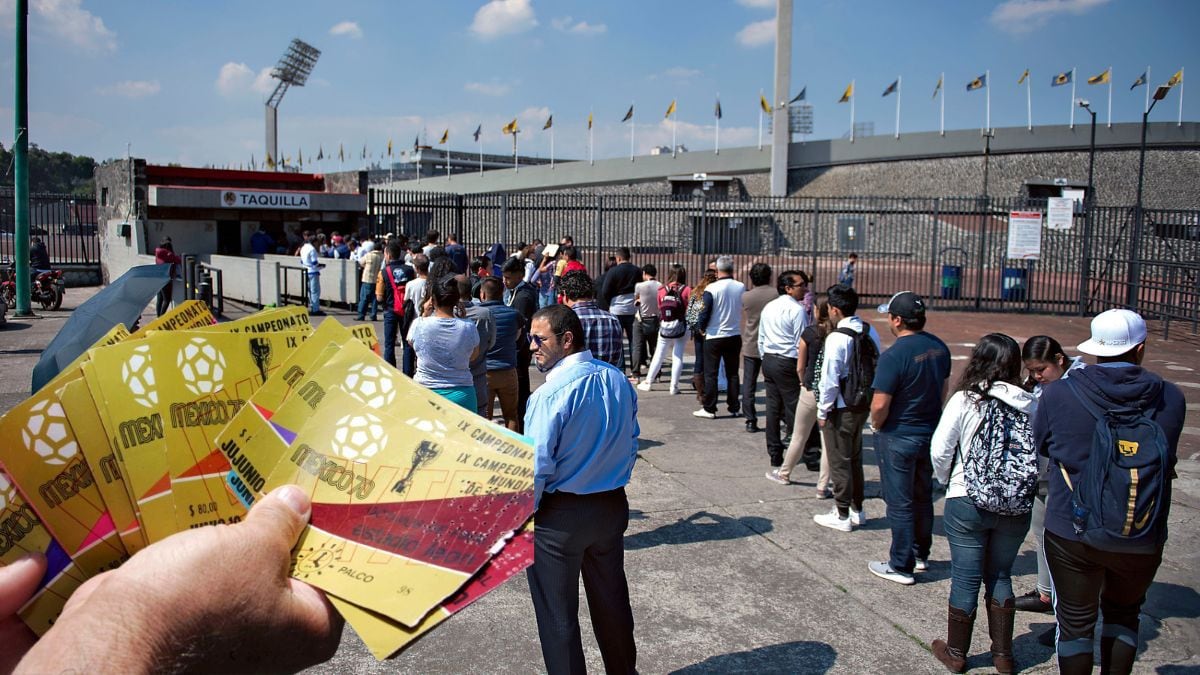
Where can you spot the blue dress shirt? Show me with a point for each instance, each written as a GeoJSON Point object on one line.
{"type": "Point", "coordinates": [583, 422]}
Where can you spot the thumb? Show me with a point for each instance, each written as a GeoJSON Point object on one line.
{"type": "Point", "coordinates": [281, 515]}
{"type": "Point", "coordinates": [19, 581]}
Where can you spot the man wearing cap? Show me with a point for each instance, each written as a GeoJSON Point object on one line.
{"type": "Point", "coordinates": [1086, 579]}
{"type": "Point", "coordinates": [910, 385]}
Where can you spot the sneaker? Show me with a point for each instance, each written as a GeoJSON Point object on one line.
{"type": "Point", "coordinates": [705, 414]}
{"type": "Point", "coordinates": [645, 386]}
{"type": "Point", "coordinates": [833, 521]}
{"type": "Point", "coordinates": [824, 494]}
{"type": "Point", "coordinates": [774, 477]}
{"type": "Point", "coordinates": [921, 565]}
{"type": "Point", "coordinates": [859, 518]}
{"type": "Point", "coordinates": [1032, 602]}
{"type": "Point", "coordinates": [674, 391]}
{"type": "Point", "coordinates": [884, 571]}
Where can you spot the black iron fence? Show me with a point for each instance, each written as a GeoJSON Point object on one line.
{"type": "Point", "coordinates": [953, 250]}
{"type": "Point", "coordinates": [66, 223]}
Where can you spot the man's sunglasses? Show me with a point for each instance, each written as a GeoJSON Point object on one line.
{"type": "Point", "coordinates": [538, 340]}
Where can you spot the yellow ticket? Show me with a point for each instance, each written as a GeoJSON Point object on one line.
{"type": "Point", "coordinates": [22, 533]}
{"type": "Point", "coordinates": [187, 314]}
{"type": "Point", "coordinates": [93, 442]}
{"type": "Point", "coordinates": [267, 321]}
{"type": "Point", "coordinates": [42, 457]}
{"type": "Point", "coordinates": [400, 520]}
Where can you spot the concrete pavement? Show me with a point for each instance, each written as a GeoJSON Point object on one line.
{"type": "Point", "coordinates": [728, 573]}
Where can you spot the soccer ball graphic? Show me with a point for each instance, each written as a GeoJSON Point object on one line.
{"type": "Point", "coordinates": [45, 433]}
{"type": "Point", "coordinates": [138, 375]}
{"type": "Point", "coordinates": [371, 384]}
{"type": "Point", "coordinates": [202, 367]}
{"type": "Point", "coordinates": [8, 491]}
{"type": "Point", "coordinates": [431, 427]}
{"type": "Point", "coordinates": [358, 437]}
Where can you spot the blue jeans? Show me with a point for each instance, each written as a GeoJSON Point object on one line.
{"type": "Point", "coordinates": [366, 298]}
{"type": "Point", "coordinates": [391, 327]}
{"type": "Point", "coordinates": [983, 546]}
{"type": "Point", "coordinates": [907, 476]}
{"type": "Point", "coordinates": [314, 292]}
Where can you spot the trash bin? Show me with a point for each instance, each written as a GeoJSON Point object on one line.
{"type": "Point", "coordinates": [951, 282]}
{"type": "Point", "coordinates": [1012, 284]}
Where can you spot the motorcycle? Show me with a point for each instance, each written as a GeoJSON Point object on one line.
{"type": "Point", "coordinates": [47, 289]}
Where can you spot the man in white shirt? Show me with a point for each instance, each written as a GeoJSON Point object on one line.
{"type": "Point", "coordinates": [845, 447]}
{"type": "Point", "coordinates": [311, 261]}
{"type": "Point", "coordinates": [721, 322]}
{"type": "Point", "coordinates": [779, 328]}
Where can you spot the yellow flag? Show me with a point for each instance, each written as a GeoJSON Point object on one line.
{"type": "Point", "coordinates": [510, 128]}
{"type": "Point", "coordinates": [589, 120]}
{"type": "Point", "coordinates": [1102, 78]}
{"type": "Point", "coordinates": [389, 147]}
{"type": "Point", "coordinates": [1024, 76]}
{"type": "Point", "coordinates": [445, 137]}
{"type": "Point", "coordinates": [762, 101]}
{"type": "Point", "coordinates": [670, 109]}
{"type": "Point", "coordinates": [270, 161]}
{"type": "Point", "coordinates": [848, 94]}
{"type": "Point", "coordinates": [1177, 78]}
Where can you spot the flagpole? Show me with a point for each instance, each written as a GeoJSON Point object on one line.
{"type": "Point", "coordinates": [632, 122]}
{"type": "Point", "coordinates": [674, 127]}
{"type": "Point", "coordinates": [1072, 98]}
{"type": "Point", "coordinates": [987, 76]}
{"type": "Point", "coordinates": [1110, 81]}
{"type": "Point", "coordinates": [852, 111]}
{"type": "Point", "coordinates": [717, 131]}
{"type": "Point", "coordinates": [760, 119]}
{"type": "Point", "coordinates": [1180, 122]}
{"type": "Point", "coordinates": [591, 140]}
{"type": "Point", "coordinates": [480, 154]}
{"type": "Point", "coordinates": [1028, 103]}
{"type": "Point", "coordinates": [552, 145]}
{"type": "Point", "coordinates": [899, 91]}
{"type": "Point", "coordinates": [516, 162]}
{"type": "Point", "coordinates": [1146, 105]}
{"type": "Point", "coordinates": [943, 123]}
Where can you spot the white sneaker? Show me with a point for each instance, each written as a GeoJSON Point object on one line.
{"type": "Point", "coordinates": [859, 518]}
{"type": "Point", "coordinates": [705, 414]}
{"type": "Point", "coordinates": [921, 565]}
{"type": "Point", "coordinates": [884, 571]}
{"type": "Point", "coordinates": [645, 386]}
{"type": "Point", "coordinates": [774, 477]}
{"type": "Point", "coordinates": [674, 391]}
{"type": "Point", "coordinates": [833, 521]}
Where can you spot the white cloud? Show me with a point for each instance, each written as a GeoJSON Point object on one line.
{"type": "Point", "coordinates": [567, 25]}
{"type": "Point", "coordinates": [348, 29]}
{"type": "Point", "coordinates": [66, 20]}
{"type": "Point", "coordinates": [757, 34]}
{"type": "Point", "coordinates": [487, 88]}
{"type": "Point", "coordinates": [1023, 16]}
{"type": "Point", "coordinates": [533, 115]}
{"type": "Point", "coordinates": [680, 73]}
{"type": "Point", "coordinates": [238, 78]}
{"type": "Point", "coordinates": [757, 4]}
{"type": "Point", "coordinates": [503, 17]}
{"type": "Point", "coordinates": [132, 88]}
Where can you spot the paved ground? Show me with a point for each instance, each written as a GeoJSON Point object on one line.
{"type": "Point", "coordinates": [728, 572]}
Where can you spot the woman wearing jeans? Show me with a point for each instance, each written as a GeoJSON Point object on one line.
{"type": "Point", "coordinates": [983, 545]}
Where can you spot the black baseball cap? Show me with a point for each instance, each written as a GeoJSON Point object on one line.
{"type": "Point", "coordinates": [905, 304]}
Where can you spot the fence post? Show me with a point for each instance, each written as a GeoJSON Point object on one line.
{"type": "Point", "coordinates": [1134, 273]}
{"type": "Point", "coordinates": [934, 247]}
{"type": "Point", "coordinates": [815, 243]}
{"type": "Point", "coordinates": [599, 225]}
{"type": "Point", "coordinates": [503, 222]}
{"type": "Point", "coordinates": [458, 219]}
{"type": "Point", "coordinates": [981, 261]}
{"type": "Point", "coordinates": [1085, 265]}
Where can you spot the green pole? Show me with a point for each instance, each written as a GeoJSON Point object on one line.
{"type": "Point", "coordinates": [21, 162]}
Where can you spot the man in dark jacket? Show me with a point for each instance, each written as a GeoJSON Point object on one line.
{"type": "Point", "coordinates": [1086, 579]}
{"type": "Point", "coordinates": [521, 296]}
{"type": "Point", "coordinates": [390, 291]}
{"type": "Point", "coordinates": [616, 295]}
{"type": "Point", "coordinates": [502, 357]}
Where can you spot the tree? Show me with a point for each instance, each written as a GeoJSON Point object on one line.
{"type": "Point", "coordinates": [59, 172]}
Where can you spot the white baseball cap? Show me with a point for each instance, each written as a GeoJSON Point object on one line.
{"type": "Point", "coordinates": [1114, 332]}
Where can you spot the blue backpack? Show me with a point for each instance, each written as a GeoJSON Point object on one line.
{"type": "Point", "coordinates": [1122, 497]}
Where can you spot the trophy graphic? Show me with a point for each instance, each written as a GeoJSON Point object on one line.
{"type": "Point", "coordinates": [423, 455]}
{"type": "Point", "coordinates": [260, 351]}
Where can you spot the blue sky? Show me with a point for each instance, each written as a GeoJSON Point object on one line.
{"type": "Point", "coordinates": [184, 81]}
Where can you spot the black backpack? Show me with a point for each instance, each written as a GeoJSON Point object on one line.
{"type": "Point", "coordinates": [856, 386]}
{"type": "Point", "coordinates": [1121, 498]}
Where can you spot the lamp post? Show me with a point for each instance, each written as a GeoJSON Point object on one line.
{"type": "Point", "coordinates": [1135, 247]}
{"type": "Point", "coordinates": [984, 210]}
{"type": "Point", "coordinates": [1088, 200]}
{"type": "Point", "coordinates": [1083, 103]}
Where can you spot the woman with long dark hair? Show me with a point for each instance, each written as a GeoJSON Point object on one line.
{"type": "Point", "coordinates": [983, 543]}
{"type": "Point", "coordinates": [445, 344]}
{"type": "Point", "coordinates": [677, 286]}
{"type": "Point", "coordinates": [696, 307]}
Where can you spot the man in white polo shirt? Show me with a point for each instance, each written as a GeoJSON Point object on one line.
{"type": "Point", "coordinates": [721, 322]}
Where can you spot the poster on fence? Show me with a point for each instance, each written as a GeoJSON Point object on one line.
{"type": "Point", "coordinates": [1024, 235]}
{"type": "Point", "coordinates": [1059, 213]}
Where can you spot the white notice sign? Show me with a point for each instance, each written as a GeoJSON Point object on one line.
{"type": "Point", "coordinates": [1025, 235]}
{"type": "Point", "coordinates": [1059, 212]}
{"type": "Point", "coordinates": [243, 199]}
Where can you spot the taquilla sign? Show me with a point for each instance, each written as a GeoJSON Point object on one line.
{"type": "Point", "coordinates": [240, 199]}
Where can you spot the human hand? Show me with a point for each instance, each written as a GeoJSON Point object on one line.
{"type": "Point", "coordinates": [18, 582]}
{"type": "Point", "coordinates": [215, 598]}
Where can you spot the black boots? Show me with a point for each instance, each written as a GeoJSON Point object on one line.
{"type": "Point", "coordinates": [952, 651]}
{"type": "Point", "coordinates": [1000, 628]}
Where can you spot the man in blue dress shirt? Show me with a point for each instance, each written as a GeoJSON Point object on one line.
{"type": "Point", "coordinates": [584, 424]}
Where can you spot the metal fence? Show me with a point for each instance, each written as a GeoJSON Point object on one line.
{"type": "Point", "coordinates": [65, 222]}
{"type": "Point", "coordinates": [952, 250]}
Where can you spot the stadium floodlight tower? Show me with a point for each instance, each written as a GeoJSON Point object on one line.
{"type": "Point", "coordinates": [293, 68]}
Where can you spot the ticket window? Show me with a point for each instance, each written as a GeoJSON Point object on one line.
{"type": "Point", "coordinates": [229, 237]}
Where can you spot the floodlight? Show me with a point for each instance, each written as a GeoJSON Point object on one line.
{"type": "Point", "coordinates": [1083, 103]}
{"type": "Point", "coordinates": [1161, 92]}
{"type": "Point", "coordinates": [293, 68]}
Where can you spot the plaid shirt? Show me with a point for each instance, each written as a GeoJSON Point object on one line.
{"type": "Point", "coordinates": [601, 332]}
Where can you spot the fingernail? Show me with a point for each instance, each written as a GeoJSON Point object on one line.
{"type": "Point", "coordinates": [32, 557]}
{"type": "Point", "coordinates": [295, 498]}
